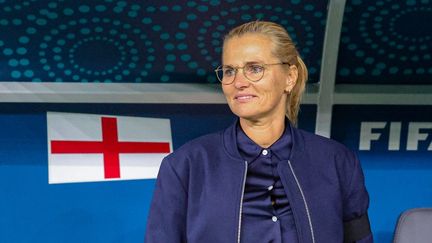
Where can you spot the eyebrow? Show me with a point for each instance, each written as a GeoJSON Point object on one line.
{"type": "Point", "coordinates": [250, 62]}
{"type": "Point", "coordinates": [254, 62]}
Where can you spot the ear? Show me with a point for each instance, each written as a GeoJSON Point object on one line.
{"type": "Point", "coordinates": [291, 78]}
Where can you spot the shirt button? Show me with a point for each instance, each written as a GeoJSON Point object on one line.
{"type": "Point", "coordinates": [274, 218]}
{"type": "Point", "coordinates": [270, 188]}
{"type": "Point", "coordinates": [264, 152]}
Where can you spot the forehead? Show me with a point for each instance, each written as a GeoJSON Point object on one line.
{"type": "Point", "coordinates": [239, 50]}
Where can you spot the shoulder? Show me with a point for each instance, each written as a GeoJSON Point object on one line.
{"type": "Point", "coordinates": [318, 142]}
{"type": "Point", "coordinates": [320, 147]}
{"type": "Point", "coordinates": [198, 144]}
{"type": "Point", "coordinates": [196, 148]}
{"type": "Point", "coordinates": [191, 158]}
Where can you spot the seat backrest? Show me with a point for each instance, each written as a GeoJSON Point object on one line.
{"type": "Point", "coordinates": [414, 226]}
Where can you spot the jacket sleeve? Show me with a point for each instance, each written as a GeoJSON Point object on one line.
{"type": "Point", "coordinates": [167, 217]}
{"type": "Point", "coordinates": [356, 203]}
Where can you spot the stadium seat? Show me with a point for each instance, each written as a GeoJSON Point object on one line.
{"type": "Point", "coordinates": [414, 226]}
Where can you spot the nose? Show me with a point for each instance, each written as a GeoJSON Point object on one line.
{"type": "Point", "coordinates": [240, 81]}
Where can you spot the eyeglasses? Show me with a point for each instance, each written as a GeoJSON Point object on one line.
{"type": "Point", "coordinates": [252, 71]}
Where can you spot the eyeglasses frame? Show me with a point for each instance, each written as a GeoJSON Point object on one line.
{"type": "Point", "coordinates": [264, 65]}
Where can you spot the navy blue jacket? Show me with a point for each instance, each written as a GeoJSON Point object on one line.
{"type": "Point", "coordinates": [199, 191]}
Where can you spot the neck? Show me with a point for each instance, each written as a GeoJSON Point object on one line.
{"type": "Point", "coordinates": [264, 132]}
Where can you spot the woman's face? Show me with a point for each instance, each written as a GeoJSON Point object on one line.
{"type": "Point", "coordinates": [265, 98]}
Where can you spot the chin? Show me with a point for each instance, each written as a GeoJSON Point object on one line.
{"type": "Point", "coordinates": [247, 115]}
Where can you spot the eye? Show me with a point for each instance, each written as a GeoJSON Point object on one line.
{"type": "Point", "coordinates": [228, 71]}
{"type": "Point", "coordinates": [254, 68]}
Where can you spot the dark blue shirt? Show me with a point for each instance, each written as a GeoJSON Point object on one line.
{"type": "Point", "coordinates": [267, 215]}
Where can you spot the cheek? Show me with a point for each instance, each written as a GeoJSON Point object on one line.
{"type": "Point", "coordinates": [274, 93]}
{"type": "Point", "coordinates": [279, 85]}
{"type": "Point", "coordinates": [226, 90]}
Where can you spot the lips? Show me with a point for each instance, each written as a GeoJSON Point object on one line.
{"type": "Point", "coordinates": [244, 97]}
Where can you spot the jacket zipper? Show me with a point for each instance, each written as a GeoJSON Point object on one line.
{"type": "Point", "coordinates": [304, 201]}
{"type": "Point", "coordinates": [241, 202]}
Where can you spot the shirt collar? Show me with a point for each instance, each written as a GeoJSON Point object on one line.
{"type": "Point", "coordinates": [250, 150]}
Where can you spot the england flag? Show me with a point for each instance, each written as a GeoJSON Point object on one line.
{"type": "Point", "coordinates": [87, 147]}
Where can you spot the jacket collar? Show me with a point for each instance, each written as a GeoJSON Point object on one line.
{"type": "Point", "coordinates": [229, 139]}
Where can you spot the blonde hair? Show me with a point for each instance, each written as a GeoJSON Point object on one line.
{"type": "Point", "coordinates": [285, 50]}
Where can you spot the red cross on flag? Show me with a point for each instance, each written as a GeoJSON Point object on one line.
{"type": "Point", "coordinates": [87, 147]}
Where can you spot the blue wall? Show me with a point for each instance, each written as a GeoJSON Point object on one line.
{"type": "Point", "coordinates": [397, 180]}
{"type": "Point", "coordinates": [113, 211]}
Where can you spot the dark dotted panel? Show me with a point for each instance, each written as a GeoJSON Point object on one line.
{"type": "Point", "coordinates": [139, 41]}
{"type": "Point", "coordinates": [386, 42]}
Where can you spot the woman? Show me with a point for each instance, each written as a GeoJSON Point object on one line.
{"type": "Point", "coordinates": [260, 180]}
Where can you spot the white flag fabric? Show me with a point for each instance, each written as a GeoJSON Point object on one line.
{"type": "Point", "coordinates": [88, 147]}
